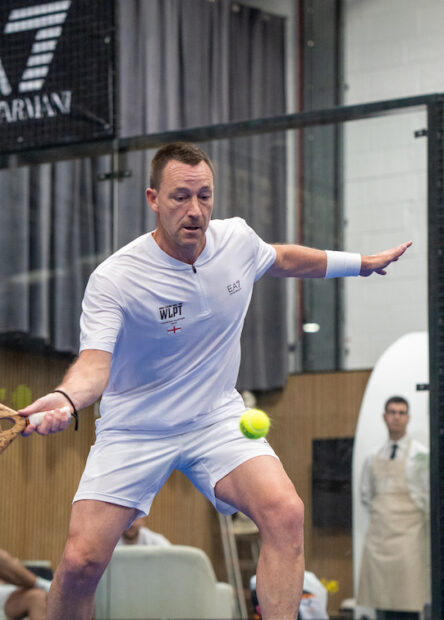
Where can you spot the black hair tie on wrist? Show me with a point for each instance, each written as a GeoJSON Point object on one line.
{"type": "Point", "coordinates": [74, 413]}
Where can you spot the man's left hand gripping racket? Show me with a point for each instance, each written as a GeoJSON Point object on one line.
{"type": "Point", "coordinates": [8, 435]}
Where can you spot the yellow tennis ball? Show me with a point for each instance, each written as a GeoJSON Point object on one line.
{"type": "Point", "coordinates": [254, 423]}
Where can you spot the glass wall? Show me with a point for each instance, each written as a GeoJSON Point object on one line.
{"type": "Point", "coordinates": [358, 186]}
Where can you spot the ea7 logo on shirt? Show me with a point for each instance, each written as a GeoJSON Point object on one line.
{"type": "Point", "coordinates": [171, 312]}
{"type": "Point", "coordinates": [234, 287]}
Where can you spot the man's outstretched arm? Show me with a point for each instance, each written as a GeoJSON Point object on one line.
{"type": "Point", "coordinates": [297, 261]}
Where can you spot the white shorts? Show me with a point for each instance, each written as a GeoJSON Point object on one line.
{"type": "Point", "coordinates": [130, 468]}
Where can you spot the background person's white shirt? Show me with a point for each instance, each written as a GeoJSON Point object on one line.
{"type": "Point", "coordinates": [147, 537]}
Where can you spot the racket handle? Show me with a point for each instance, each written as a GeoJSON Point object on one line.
{"type": "Point", "coordinates": [37, 418]}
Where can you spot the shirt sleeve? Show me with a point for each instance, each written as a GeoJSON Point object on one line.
{"type": "Point", "coordinates": [102, 314]}
{"type": "Point", "coordinates": [265, 253]}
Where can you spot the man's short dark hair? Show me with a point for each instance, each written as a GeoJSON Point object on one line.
{"type": "Point", "coordinates": [396, 400]}
{"type": "Point", "coordinates": [185, 152]}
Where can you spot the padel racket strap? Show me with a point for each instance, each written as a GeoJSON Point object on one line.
{"type": "Point", "coordinates": [74, 413]}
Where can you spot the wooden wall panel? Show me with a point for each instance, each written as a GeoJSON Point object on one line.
{"type": "Point", "coordinates": [39, 475]}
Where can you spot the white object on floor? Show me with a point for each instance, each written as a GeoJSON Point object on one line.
{"type": "Point", "coordinates": [162, 582]}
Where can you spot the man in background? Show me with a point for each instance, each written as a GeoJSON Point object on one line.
{"type": "Point", "coordinates": [394, 486]}
{"type": "Point", "coordinates": [139, 534]}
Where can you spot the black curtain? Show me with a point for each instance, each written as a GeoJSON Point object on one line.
{"type": "Point", "coordinates": [182, 63]}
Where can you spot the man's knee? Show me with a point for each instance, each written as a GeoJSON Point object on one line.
{"type": "Point", "coordinates": [26, 602]}
{"type": "Point", "coordinates": [283, 516]}
{"type": "Point", "coordinates": [288, 514]}
{"type": "Point", "coordinates": [83, 563]}
{"type": "Point", "coordinates": [36, 596]}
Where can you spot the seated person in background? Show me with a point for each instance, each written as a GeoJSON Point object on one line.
{"type": "Point", "coordinates": [21, 592]}
{"type": "Point", "coordinates": [138, 534]}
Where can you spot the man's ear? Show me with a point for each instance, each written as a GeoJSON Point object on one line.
{"type": "Point", "coordinates": [151, 198]}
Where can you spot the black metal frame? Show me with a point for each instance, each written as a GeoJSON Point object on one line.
{"type": "Point", "coordinates": [436, 343]}
{"type": "Point", "coordinates": [434, 104]}
{"type": "Point", "coordinates": [217, 132]}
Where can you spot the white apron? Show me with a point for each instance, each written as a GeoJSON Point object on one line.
{"type": "Point", "coordinates": [394, 572]}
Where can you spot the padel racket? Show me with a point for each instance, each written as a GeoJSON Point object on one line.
{"type": "Point", "coordinates": [19, 422]}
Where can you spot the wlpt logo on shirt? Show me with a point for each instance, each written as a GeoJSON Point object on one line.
{"type": "Point", "coordinates": [171, 315]}
{"type": "Point", "coordinates": [171, 311]}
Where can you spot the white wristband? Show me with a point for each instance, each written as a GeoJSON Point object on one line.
{"type": "Point", "coordinates": [342, 264]}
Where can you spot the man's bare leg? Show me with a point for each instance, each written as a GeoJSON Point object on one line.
{"type": "Point", "coordinates": [262, 490]}
{"type": "Point", "coordinates": [94, 531]}
{"type": "Point", "coordinates": [30, 603]}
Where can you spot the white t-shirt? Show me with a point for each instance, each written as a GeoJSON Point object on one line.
{"type": "Point", "coordinates": [174, 329]}
{"type": "Point", "coordinates": [416, 468]}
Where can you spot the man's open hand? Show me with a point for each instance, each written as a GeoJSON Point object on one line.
{"type": "Point", "coordinates": [377, 263]}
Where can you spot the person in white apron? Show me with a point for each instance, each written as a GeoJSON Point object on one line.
{"type": "Point", "coordinates": [394, 577]}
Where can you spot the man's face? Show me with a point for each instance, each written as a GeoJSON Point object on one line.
{"type": "Point", "coordinates": [396, 418]}
{"type": "Point", "coordinates": [183, 204]}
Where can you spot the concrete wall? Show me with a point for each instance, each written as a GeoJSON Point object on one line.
{"type": "Point", "coordinates": [391, 50]}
